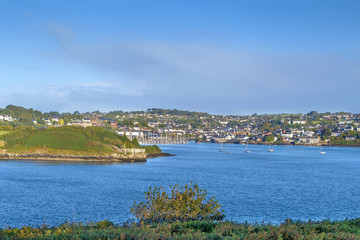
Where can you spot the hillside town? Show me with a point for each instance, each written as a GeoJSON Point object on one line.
{"type": "Point", "coordinates": [161, 126]}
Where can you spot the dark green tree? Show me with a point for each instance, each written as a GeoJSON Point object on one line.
{"type": "Point", "coordinates": [270, 138]}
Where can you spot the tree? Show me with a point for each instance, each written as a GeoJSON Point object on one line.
{"type": "Point", "coordinates": [266, 127]}
{"type": "Point", "coordinates": [270, 138]}
{"type": "Point", "coordinates": [326, 132]}
{"type": "Point", "coordinates": [186, 203]}
{"type": "Point", "coordinates": [136, 143]}
{"type": "Point", "coordinates": [41, 121]}
{"type": "Point", "coordinates": [61, 121]}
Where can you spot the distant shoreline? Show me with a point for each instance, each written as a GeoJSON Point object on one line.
{"type": "Point", "coordinates": [289, 144]}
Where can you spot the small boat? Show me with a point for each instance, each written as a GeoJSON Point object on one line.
{"type": "Point", "coordinates": [322, 151]}
{"type": "Point", "coordinates": [270, 149]}
{"type": "Point", "coordinates": [246, 149]}
{"type": "Point", "coordinates": [221, 148]}
{"type": "Point", "coordinates": [226, 152]}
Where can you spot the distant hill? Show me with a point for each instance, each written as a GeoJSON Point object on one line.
{"type": "Point", "coordinates": [66, 140]}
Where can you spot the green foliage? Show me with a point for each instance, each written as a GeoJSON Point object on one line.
{"type": "Point", "coordinates": [127, 122]}
{"type": "Point", "coordinates": [113, 114]}
{"type": "Point", "coordinates": [346, 229]}
{"type": "Point", "coordinates": [326, 132]}
{"type": "Point", "coordinates": [92, 140]}
{"type": "Point", "coordinates": [270, 138]}
{"type": "Point", "coordinates": [176, 112]}
{"type": "Point", "coordinates": [6, 128]}
{"type": "Point", "coordinates": [266, 127]}
{"type": "Point", "coordinates": [136, 143]}
{"type": "Point", "coordinates": [2, 143]}
{"type": "Point", "coordinates": [342, 139]}
{"type": "Point", "coordinates": [185, 203]}
{"type": "Point", "coordinates": [143, 123]}
{"type": "Point", "coordinates": [2, 132]}
{"type": "Point", "coordinates": [162, 126]}
{"type": "Point", "coordinates": [152, 149]}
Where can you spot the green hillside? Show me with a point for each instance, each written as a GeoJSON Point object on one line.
{"type": "Point", "coordinates": [91, 140]}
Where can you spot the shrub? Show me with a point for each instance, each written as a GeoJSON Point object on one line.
{"type": "Point", "coordinates": [152, 149]}
{"type": "Point", "coordinates": [104, 224]}
{"type": "Point", "coordinates": [185, 203]}
{"type": "Point", "coordinates": [2, 143]}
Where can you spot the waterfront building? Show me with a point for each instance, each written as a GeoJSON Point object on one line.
{"type": "Point", "coordinates": [309, 140]}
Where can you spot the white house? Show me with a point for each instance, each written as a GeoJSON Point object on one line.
{"type": "Point", "coordinates": [309, 140]}
{"type": "Point", "coordinates": [309, 133]}
{"type": "Point", "coordinates": [287, 135]}
{"type": "Point", "coordinates": [7, 118]}
{"type": "Point", "coordinates": [335, 134]}
{"type": "Point", "coordinates": [131, 134]}
{"type": "Point", "coordinates": [48, 122]}
{"type": "Point", "coordinates": [350, 138]}
{"type": "Point", "coordinates": [229, 137]}
{"type": "Point", "coordinates": [55, 119]}
{"type": "Point", "coordinates": [302, 122]}
{"type": "Point", "coordinates": [348, 129]}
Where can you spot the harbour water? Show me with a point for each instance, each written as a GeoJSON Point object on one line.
{"type": "Point", "coordinates": [292, 182]}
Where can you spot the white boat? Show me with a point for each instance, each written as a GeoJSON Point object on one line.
{"type": "Point", "coordinates": [322, 151]}
{"type": "Point", "coordinates": [270, 149]}
{"type": "Point", "coordinates": [246, 150]}
{"type": "Point", "coordinates": [221, 148]}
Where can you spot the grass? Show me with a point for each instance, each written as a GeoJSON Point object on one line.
{"type": "Point", "coordinates": [2, 132]}
{"type": "Point", "coordinates": [346, 229]}
{"type": "Point", "coordinates": [91, 140]}
{"type": "Point", "coordinates": [72, 140]}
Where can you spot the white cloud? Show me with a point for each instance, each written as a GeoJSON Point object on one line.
{"type": "Point", "coordinates": [123, 88]}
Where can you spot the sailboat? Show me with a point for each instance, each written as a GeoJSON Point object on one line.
{"type": "Point", "coordinates": [270, 149]}
{"type": "Point", "coordinates": [221, 148]}
{"type": "Point", "coordinates": [322, 151]}
{"type": "Point", "coordinates": [246, 149]}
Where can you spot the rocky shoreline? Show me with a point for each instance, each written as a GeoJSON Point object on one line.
{"type": "Point", "coordinates": [155, 155]}
{"type": "Point", "coordinates": [90, 158]}
{"type": "Point", "coordinates": [53, 157]}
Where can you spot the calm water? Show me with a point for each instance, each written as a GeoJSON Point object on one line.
{"type": "Point", "coordinates": [292, 182]}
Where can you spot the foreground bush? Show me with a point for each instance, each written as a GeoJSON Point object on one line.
{"type": "Point", "coordinates": [185, 203]}
{"type": "Point", "coordinates": [347, 229]}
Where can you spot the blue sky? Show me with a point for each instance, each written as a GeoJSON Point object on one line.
{"type": "Point", "coordinates": [222, 57]}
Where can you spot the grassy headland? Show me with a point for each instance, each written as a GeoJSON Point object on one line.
{"type": "Point", "coordinates": [90, 141]}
